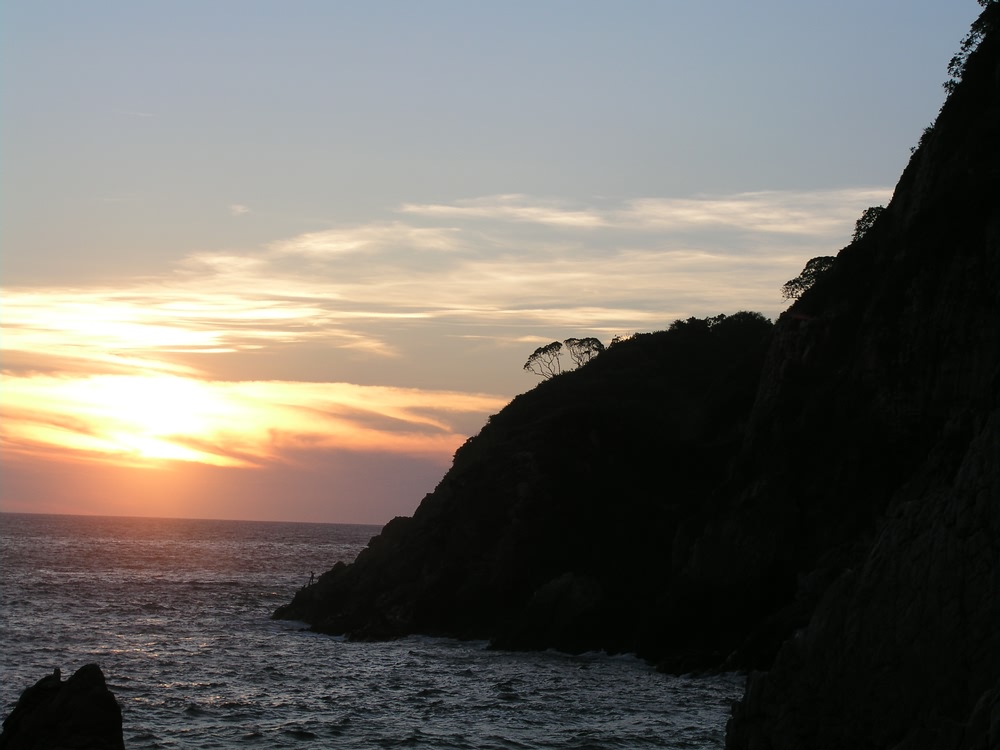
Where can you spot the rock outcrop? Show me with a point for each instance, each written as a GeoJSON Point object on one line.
{"type": "Point", "coordinates": [556, 524]}
{"type": "Point", "coordinates": [75, 714]}
{"type": "Point", "coordinates": [904, 649]}
{"type": "Point", "coordinates": [819, 502]}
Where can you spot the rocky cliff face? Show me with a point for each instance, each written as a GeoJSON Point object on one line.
{"type": "Point", "coordinates": [821, 501]}
{"type": "Point", "coordinates": [904, 649]}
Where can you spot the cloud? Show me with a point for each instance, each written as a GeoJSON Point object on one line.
{"type": "Point", "coordinates": [781, 212]}
{"type": "Point", "coordinates": [371, 238]}
{"type": "Point", "coordinates": [138, 420]}
{"type": "Point", "coordinates": [238, 209]}
{"type": "Point", "coordinates": [815, 213]}
{"type": "Point", "coordinates": [512, 207]}
{"type": "Point", "coordinates": [378, 292]}
{"type": "Point", "coordinates": [241, 359]}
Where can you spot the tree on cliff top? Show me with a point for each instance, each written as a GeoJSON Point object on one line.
{"type": "Point", "coordinates": [583, 350]}
{"type": "Point", "coordinates": [866, 222]}
{"type": "Point", "coordinates": [795, 288]}
{"type": "Point", "coordinates": [987, 20]}
{"type": "Point", "coordinates": [544, 361]}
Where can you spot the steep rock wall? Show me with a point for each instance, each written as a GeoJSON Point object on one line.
{"type": "Point", "coordinates": [904, 651]}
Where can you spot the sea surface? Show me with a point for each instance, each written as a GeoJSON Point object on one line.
{"type": "Point", "coordinates": [177, 614]}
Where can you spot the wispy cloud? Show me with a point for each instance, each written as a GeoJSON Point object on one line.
{"type": "Point", "coordinates": [369, 238]}
{"type": "Point", "coordinates": [364, 288]}
{"type": "Point", "coordinates": [146, 419]}
{"type": "Point", "coordinates": [815, 213]}
{"type": "Point", "coordinates": [243, 358]}
{"type": "Point", "coordinates": [512, 207]}
{"type": "Point", "coordinates": [102, 324]}
{"type": "Point", "coordinates": [238, 209]}
{"type": "Point", "coordinates": [782, 212]}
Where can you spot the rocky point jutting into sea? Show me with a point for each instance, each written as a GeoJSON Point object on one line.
{"type": "Point", "coordinates": [817, 502]}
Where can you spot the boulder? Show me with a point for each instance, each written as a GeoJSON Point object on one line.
{"type": "Point", "coordinates": [76, 714]}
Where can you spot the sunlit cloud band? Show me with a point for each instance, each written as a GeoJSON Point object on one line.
{"type": "Point", "coordinates": [169, 369]}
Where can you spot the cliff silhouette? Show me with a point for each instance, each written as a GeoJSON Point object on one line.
{"type": "Point", "coordinates": [817, 502]}
{"type": "Point", "coordinates": [556, 523]}
{"type": "Point", "coordinates": [898, 376]}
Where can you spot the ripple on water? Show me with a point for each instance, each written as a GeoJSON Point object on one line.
{"type": "Point", "coordinates": [178, 615]}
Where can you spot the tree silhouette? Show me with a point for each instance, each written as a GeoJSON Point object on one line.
{"type": "Point", "coordinates": [866, 222]}
{"type": "Point", "coordinates": [583, 350]}
{"type": "Point", "coordinates": [544, 362]}
{"type": "Point", "coordinates": [794, 288]}
{"type": "Point", "coordinates": [988, 19]}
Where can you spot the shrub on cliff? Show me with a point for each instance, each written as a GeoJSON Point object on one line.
{"type": "Point", "coordinates": [816, 267]}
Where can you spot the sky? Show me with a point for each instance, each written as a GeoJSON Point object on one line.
{"type": "Point", "coordinates": [278, 260]}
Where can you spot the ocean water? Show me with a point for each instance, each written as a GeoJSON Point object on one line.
{"type": "Point", "coordinates": [177, 613]}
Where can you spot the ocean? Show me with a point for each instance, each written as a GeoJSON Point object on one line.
{"type": "Point", "coordinates": [177, 614]}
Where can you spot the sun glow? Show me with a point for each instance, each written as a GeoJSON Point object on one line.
{"type": "Point", "coordinates": [161, 371]}
{"type": "Point", "coordinates": [108, 383]}
{"type": "Point", "coordinates": [151, 405]}
{"type": "Point", "coordinates": [145, 420]}
{"type": "Point", "coordinates": [129, 418]}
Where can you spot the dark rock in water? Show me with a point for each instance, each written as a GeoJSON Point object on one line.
{"type": "Point", "coordinates": [76, 714]}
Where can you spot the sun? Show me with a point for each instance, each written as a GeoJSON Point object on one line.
{"type": "Point", "coordinates": [158, 405]}
{"type": "Point", "coordinates": [153, 417]}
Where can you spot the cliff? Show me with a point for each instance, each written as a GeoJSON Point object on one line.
{"type": "Point", "coordinates": [555, 525]}
{"type": "Point", "coordinates": [819, 501]}
{"type": "Point", "coordinates": [904, 649]}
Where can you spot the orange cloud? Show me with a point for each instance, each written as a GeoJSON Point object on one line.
{"type": "Point", "coordinates": [143, 420]}
{"type": "Point", "coordinates": [154, 371]}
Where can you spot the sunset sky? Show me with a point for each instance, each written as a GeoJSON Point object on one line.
{"type": "Point", "coordinates": [278, 260]}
